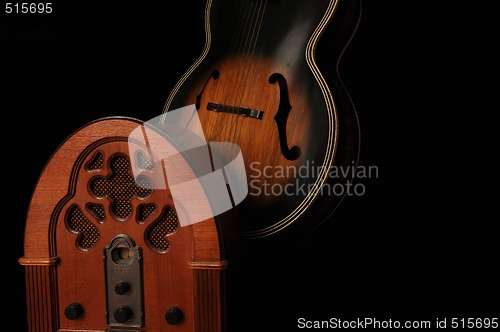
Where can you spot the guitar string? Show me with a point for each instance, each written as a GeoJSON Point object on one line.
{"type": "Point", "coordinates": [220, 123]}
{"type": "Point", "coordinates": [232, 90]}
{"type": "Point", "coordinates": [247, 75]}
{"type": "Point", "coordinates": [247, 93]}
{"type": "Point", "coordinates": [215, 119]}
{"type": "Point", "coordinates": [250, 77]}
{"type": "Point", "coordinates": [215, 124]}
{"type": "Point", "coordinates": [240, 65]}
{"type": "Point", "coordinates": [252, 68]}
{"type": "Point", "coordinates": [222, 120]}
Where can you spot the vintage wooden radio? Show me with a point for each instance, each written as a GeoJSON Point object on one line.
{"type": "Point", "coordinates": [105, 250]}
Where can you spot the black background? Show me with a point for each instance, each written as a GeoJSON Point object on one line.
{"type": "Point", "coordinates": [420, 244]}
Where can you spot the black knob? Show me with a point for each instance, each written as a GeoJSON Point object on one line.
{"type": "Point", "coordinates": [73, 311]}
{"type": "Point", "coordinates": [174, 315]}
{"type": "Point", "coordinates": [122, 287]}
{"type": "Point", "coordinates": [123, 314]}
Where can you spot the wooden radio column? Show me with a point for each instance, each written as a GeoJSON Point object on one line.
{"type": "Point", "coordinates": [104, 251]}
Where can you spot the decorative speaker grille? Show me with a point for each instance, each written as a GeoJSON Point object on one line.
{"type": "Point", "coordinates": [143, 162]}
{"type": "Point", "coordinates": [117, 188]}
{"type": "Point", "coordinates": [157, 234]}
{"type": "Point", "coordinates": [120, 187]}
{"type": "Point", "coordinates": [144, 211]}
{"type": "Point", "coordinates": [88, 235]}
{"type": "Point", "coordinates": [97, 211]}
{"type": "Point", "coordinates": [96, 163]}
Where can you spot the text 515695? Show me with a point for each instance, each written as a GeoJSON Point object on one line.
{"type": "Point", "coordinates": [28, 7]}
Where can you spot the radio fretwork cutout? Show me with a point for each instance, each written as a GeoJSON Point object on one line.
{"type": "Point", "coordinates": [119, 188]}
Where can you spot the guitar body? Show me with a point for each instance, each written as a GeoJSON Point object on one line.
{"type": "Point", "coordinates": [258, 84]}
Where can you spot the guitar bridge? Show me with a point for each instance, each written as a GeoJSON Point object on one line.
{"type": "Point", "coordinates": [243, 111]}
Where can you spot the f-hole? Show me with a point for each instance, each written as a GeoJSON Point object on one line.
{"type": "Point", "coordinates": [281, 117]}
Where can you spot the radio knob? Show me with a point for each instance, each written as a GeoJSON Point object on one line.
{"type": "Point", "coordinates": [123, 314]}
{"type": "Point", "coordinates": [73, 311]}
{"type": "Point", "coordinates": [122, 287]}
{"type": "Point", "coordinates": [173, 316]}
